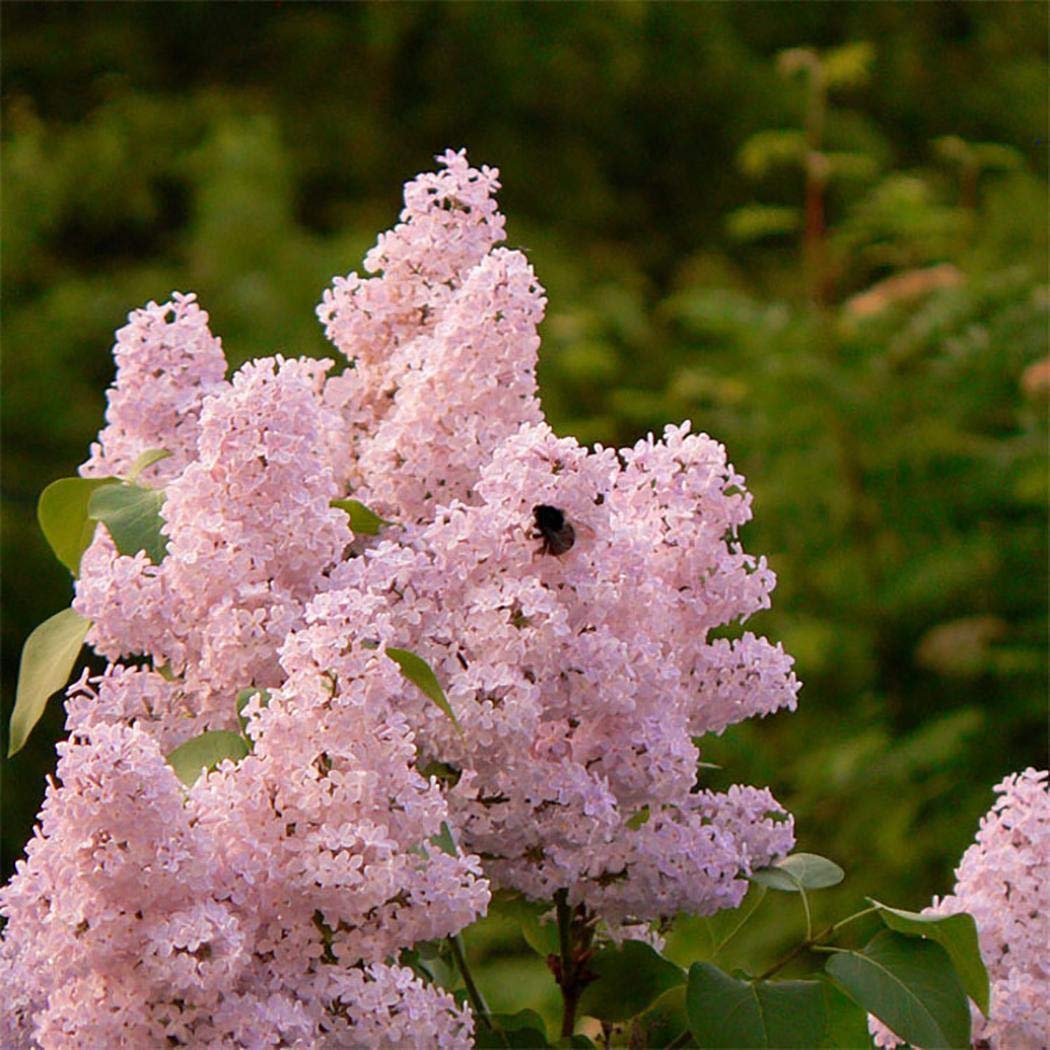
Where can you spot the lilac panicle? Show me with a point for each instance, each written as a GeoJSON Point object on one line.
{"type": "Point", "coordinates": [287, 884]}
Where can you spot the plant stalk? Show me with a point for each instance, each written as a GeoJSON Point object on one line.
{"type": "Point", "coordinates": [477, 1000]}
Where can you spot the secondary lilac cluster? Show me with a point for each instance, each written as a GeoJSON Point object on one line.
{"type": "Point", "coordinates": [260, 908]}
{"type": "Point", "coordinates": [251, 537]}
{"type": "Point", "coordinates": [1003, 881]}
{"type": "Point", "coordinates": [443, 342]}
{"type": "Point", "coordinates": [580, 680]}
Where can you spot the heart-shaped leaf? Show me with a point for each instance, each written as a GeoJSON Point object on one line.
{"type": "Point", "coordinates": [956, 934]}
{"type": "Point", "coordinates": [730, 1012]}
{"type": "Point", "coordinates": [910, 985]}
{"type": "Point", "coordinates": [800, 871]}
{"type": "Point", "coordinates": [629, 978]}
{"type": "Point", "coordinates": [48, 657]}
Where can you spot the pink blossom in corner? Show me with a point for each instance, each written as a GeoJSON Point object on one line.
{"type": "Point", "coordinates": [1003, 881]}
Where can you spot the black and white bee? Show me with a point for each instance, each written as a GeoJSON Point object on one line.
{"type": "Point", "coordinates": [553, 528]}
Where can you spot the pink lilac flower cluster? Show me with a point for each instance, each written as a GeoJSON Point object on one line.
{"type": "Point", "coordinates": [580, 681]}
{"type": "Point", "coordinates": [580, 677]}
{"type": "Point", "coordinates": [260, 908]}
{"type": "Point", "coordinates": [167, 362]}
{"type": "Point", "coordinates": [251, 537]}
{"type": "Point", "coordinates": [1003, 881]}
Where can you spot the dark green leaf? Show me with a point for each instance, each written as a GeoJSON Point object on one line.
{"type": "Point", "coordinates": [205, 752]}
{"type": "Point", "coordinates": [663, 1023]}
{"type": "Point", "coordinates": [63, 515]}
{"type": "Point", "coordinates": [800, 871]}
{"type": "Point", "coordinates": [956, 934]}
{"type": "Point", "coordinates": [910, 985]}
{"type": "Point", "coordinates": [362, 520]}
{"type": "Point", "coordinates": [132, 515]}
{"type": "Point", "coordinates": [419, 672]}
{"type": "Point", "coordinates": [525, 1030]}
{"type": "Point", "coordinates": [728, 1012]}
{"type": "Point", "coordinates": [48, 657]}
{"type": "Point", "coordinates": [541, 937]}
{"type": "Point", "coordinates": [146, 459]}
{"type": "Point", "coordinates": [629, 979]}
{"type": "Point", "coordinates": [847, 1023]}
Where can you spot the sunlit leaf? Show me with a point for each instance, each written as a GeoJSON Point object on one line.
{"type": "Point", "coordinates": [147, 459]}
{"type": "Point", "coordinates": [205, 752]}
{"type": "Point", "coordinates": [420, 673]}
{"type": "Point", "coordinates": [363, 521]}
{"type": "Point", "coordinates": [63, 515]}
{"type": "Point", "coordinates": [48, 657]}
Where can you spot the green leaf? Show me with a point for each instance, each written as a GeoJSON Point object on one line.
{"type": "Point", "coordinates": [910, 985]}
{"type": "Point", "coordinates": [419, 672]}
{"type": "Point", "coordinates": [242, 701]}
{"type": "Point", "coordinates": [147, 459]}
{"type": "Point", "coordinates": [525, 1030]}
{"type": "Point", "coordinates": [629, 978]}
{"type": "Point", "coordinates": [956, 934]}
{"type": "Point", "coordinates": [132, 515]}
{"type": "Point", "coordinates": [205, 752]}
{"type": "Point", "coordinates": [727, 1012]}
{"type": "Point", "coordinates": [48, 657]}
{"type": "Point", "coordinates": [362, 520]}
{"type": "Point", "coordinates": [772, 148]}
{"type": "Point", "coordinates": [847, 1027]}
{"type": "Point", "coordinates": [541, 937]}
{"type": "Point", "coordinates": [752, 222]}
{"type": "Point", "coordinates": [848, 65]}
{"type": "Point", "coordinates": [640, 817]}
{"type": "Point", "coordinates": [63, 515]}
{"type": "Point", "coordinates": [663, 1023]}
{"type": "Point", "coordinates": [444, 841]}
{"type": "Point", "coordinates": [800, 871]}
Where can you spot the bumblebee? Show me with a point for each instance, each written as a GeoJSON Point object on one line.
{"type": "Point", "coordinates": [553, 529]}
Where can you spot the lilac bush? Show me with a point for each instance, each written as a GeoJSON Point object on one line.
{"type": "Point", "coordinates": [267, 902]}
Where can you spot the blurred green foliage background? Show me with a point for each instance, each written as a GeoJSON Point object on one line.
{"type": "Point", "coordinates": [818, 231]}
